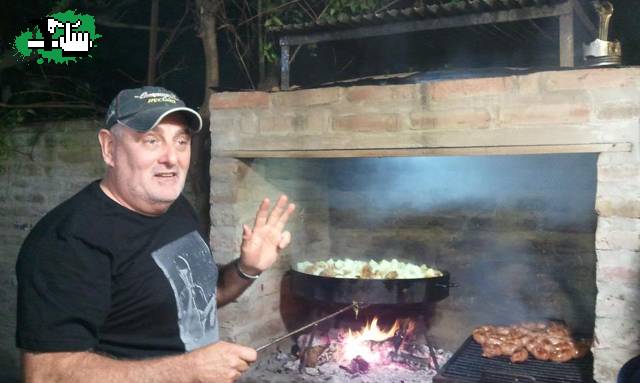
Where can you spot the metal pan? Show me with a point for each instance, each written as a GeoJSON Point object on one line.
{"type": "Point", "coordinates": [371, 291]}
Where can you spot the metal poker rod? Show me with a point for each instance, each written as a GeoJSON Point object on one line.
{"type": "Point", "coordinates": [355, 306]}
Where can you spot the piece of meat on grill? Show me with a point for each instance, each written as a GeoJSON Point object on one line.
{"type": "Point", "coordinates": [491, 350]}
{"type": "Point", "coordinates": [519, 356]}
{"type": "Point", "coordinates": [480, 334]}
{"type": "Point", "coordinates": [544, 341]}
{"type": "Point", "coordinates": [509, 347]}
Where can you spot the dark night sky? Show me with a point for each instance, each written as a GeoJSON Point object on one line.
{"type": "Point", "coordinates": [120, 59]}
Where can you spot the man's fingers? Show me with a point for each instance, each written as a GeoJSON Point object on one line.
{"type": "Point", "coordinates": [247, 354]}
{"type": "Point", "coordinates": [246, 232]}
{"type": "Point", "coordinates": [231, 376]}
{"type": "Point", "coordinates": [241, 365]}
{"type": "Point", "coordinates": [277, 212]}
{"type": "Point", "coordinates": [263, 213]}
{"type": "Point", "coordinates": [285, 239]}
{"type": "Point", "coordinates": [285, 217]}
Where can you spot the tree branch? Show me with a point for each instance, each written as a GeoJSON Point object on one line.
{"type": "Point", "coordinates": [174, 32]}
{"type": "Point", "coordinates": [267, 12]}
{"type": "Point", "coordinates": [53, 105]}
{"type": "Point", "coordinates": [116, 24]}
{"type": "Point", "coordinates": [50, 92]}
{"type": "Point", "coordinates": [130, 77]}
{"type": "Point", "coordinates": [178, 67]}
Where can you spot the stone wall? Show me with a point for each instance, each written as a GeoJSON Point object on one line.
{"type": "Point", "coordinates": [573, 111]}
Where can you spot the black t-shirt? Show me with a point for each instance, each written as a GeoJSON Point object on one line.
{"type": "Point", "coordinates": [94, 275]}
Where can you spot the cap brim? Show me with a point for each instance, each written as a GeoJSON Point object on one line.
{"type": "Point", "coordinates": [146, 120]}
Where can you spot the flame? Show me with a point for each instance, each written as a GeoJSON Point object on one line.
{"type": "Point", "coordinates": [371, 331]}
{"type": "Point", "coordinates": [355, 344]}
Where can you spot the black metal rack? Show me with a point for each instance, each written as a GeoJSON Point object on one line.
{"type": "Point", "coordinates": [468, 365]}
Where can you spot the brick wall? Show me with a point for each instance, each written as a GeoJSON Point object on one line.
{"type": "Point", "coordinates": [547, 108]}
{"type": "Point", "coordinates": [236, 191]}
{"type": "Point", "coordinates": [574, 111]}
{"type": "Point", "coordinates": [617, 327]}
{"type": "Point", "coordinates": [35, 178]}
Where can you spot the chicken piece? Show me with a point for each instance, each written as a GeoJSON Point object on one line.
{"type": "Point", "coordinates": [519, 332]}
{"type": "Point", "coordinates": [539, 352]}
{"type": "Point", "coordinates": [526, 339]}
{"type": "Point", "coordinates": [509, 347]}
{"type": "Point", "coordinates": [491, 350]}
{"type": "Point", "coordinates": [544, 341]}
{"type": "Point", "coordinates": [479, 335]}
{"type": "Point", "coordinates": [562, 352]}
{"type": "Point", "coordinates": [558, 330]}
{"type": "Point", "coordinates": [493, 342]}
{"type": "Point", "coordinates": [519, 356]}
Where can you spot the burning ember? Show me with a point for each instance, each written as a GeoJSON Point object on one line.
{"type": "Point", "coordinates": [362, 343]}
{"type": "Point", "coordinates": [373, 353]}
{"type": "Point", "coordinates": [368, 348]}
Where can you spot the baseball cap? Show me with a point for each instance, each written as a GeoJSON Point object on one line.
{"type": "Point", "coordinates": [142, 108]}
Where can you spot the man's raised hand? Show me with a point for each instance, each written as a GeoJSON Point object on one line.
{"type": "Point", "coordinates": [262, 243]}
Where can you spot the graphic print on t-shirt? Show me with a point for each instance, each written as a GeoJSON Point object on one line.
{"type": "Point", "coordinates": [188, 265]}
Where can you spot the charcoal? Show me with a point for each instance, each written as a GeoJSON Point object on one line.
{"type": "Point", "coordinates": [319, 358]}
{"type": "Point", "coordinates": [310, 355]}
{"type": "Point", "coordinates": [357, 366]}
{"type": "Point", "coordinates": [317, 340]}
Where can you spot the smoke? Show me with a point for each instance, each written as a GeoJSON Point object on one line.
{"type": "Point", "coordinates": [515, 231]}
{"type": "Point", "coordinates": [562, 185]}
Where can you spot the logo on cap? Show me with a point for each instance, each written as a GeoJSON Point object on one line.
{"type": "Point", "coordinates": [142, 108]}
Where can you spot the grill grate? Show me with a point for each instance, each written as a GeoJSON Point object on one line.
{"type": "Point", "coordinates": [468, 365]}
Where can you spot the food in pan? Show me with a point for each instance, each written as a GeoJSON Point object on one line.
{"type": "Point", "coordinates": [348, 268]}
{"type": "Point", "coordinates": [543, 340]}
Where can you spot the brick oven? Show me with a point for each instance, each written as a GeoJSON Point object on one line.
{"type": "Point", "coordinates": [300, 143]}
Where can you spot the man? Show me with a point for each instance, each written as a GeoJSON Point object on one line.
{"type": "Point", "coordinates": [116, 284]}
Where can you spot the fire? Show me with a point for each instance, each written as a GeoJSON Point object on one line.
{"type": "Point", "coordinates": [358, 343]}
{"type": "Point", "coordinates": [371, 331]}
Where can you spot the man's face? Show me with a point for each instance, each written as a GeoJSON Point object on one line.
{"type": "Point", "coordinates": [149, 169]}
